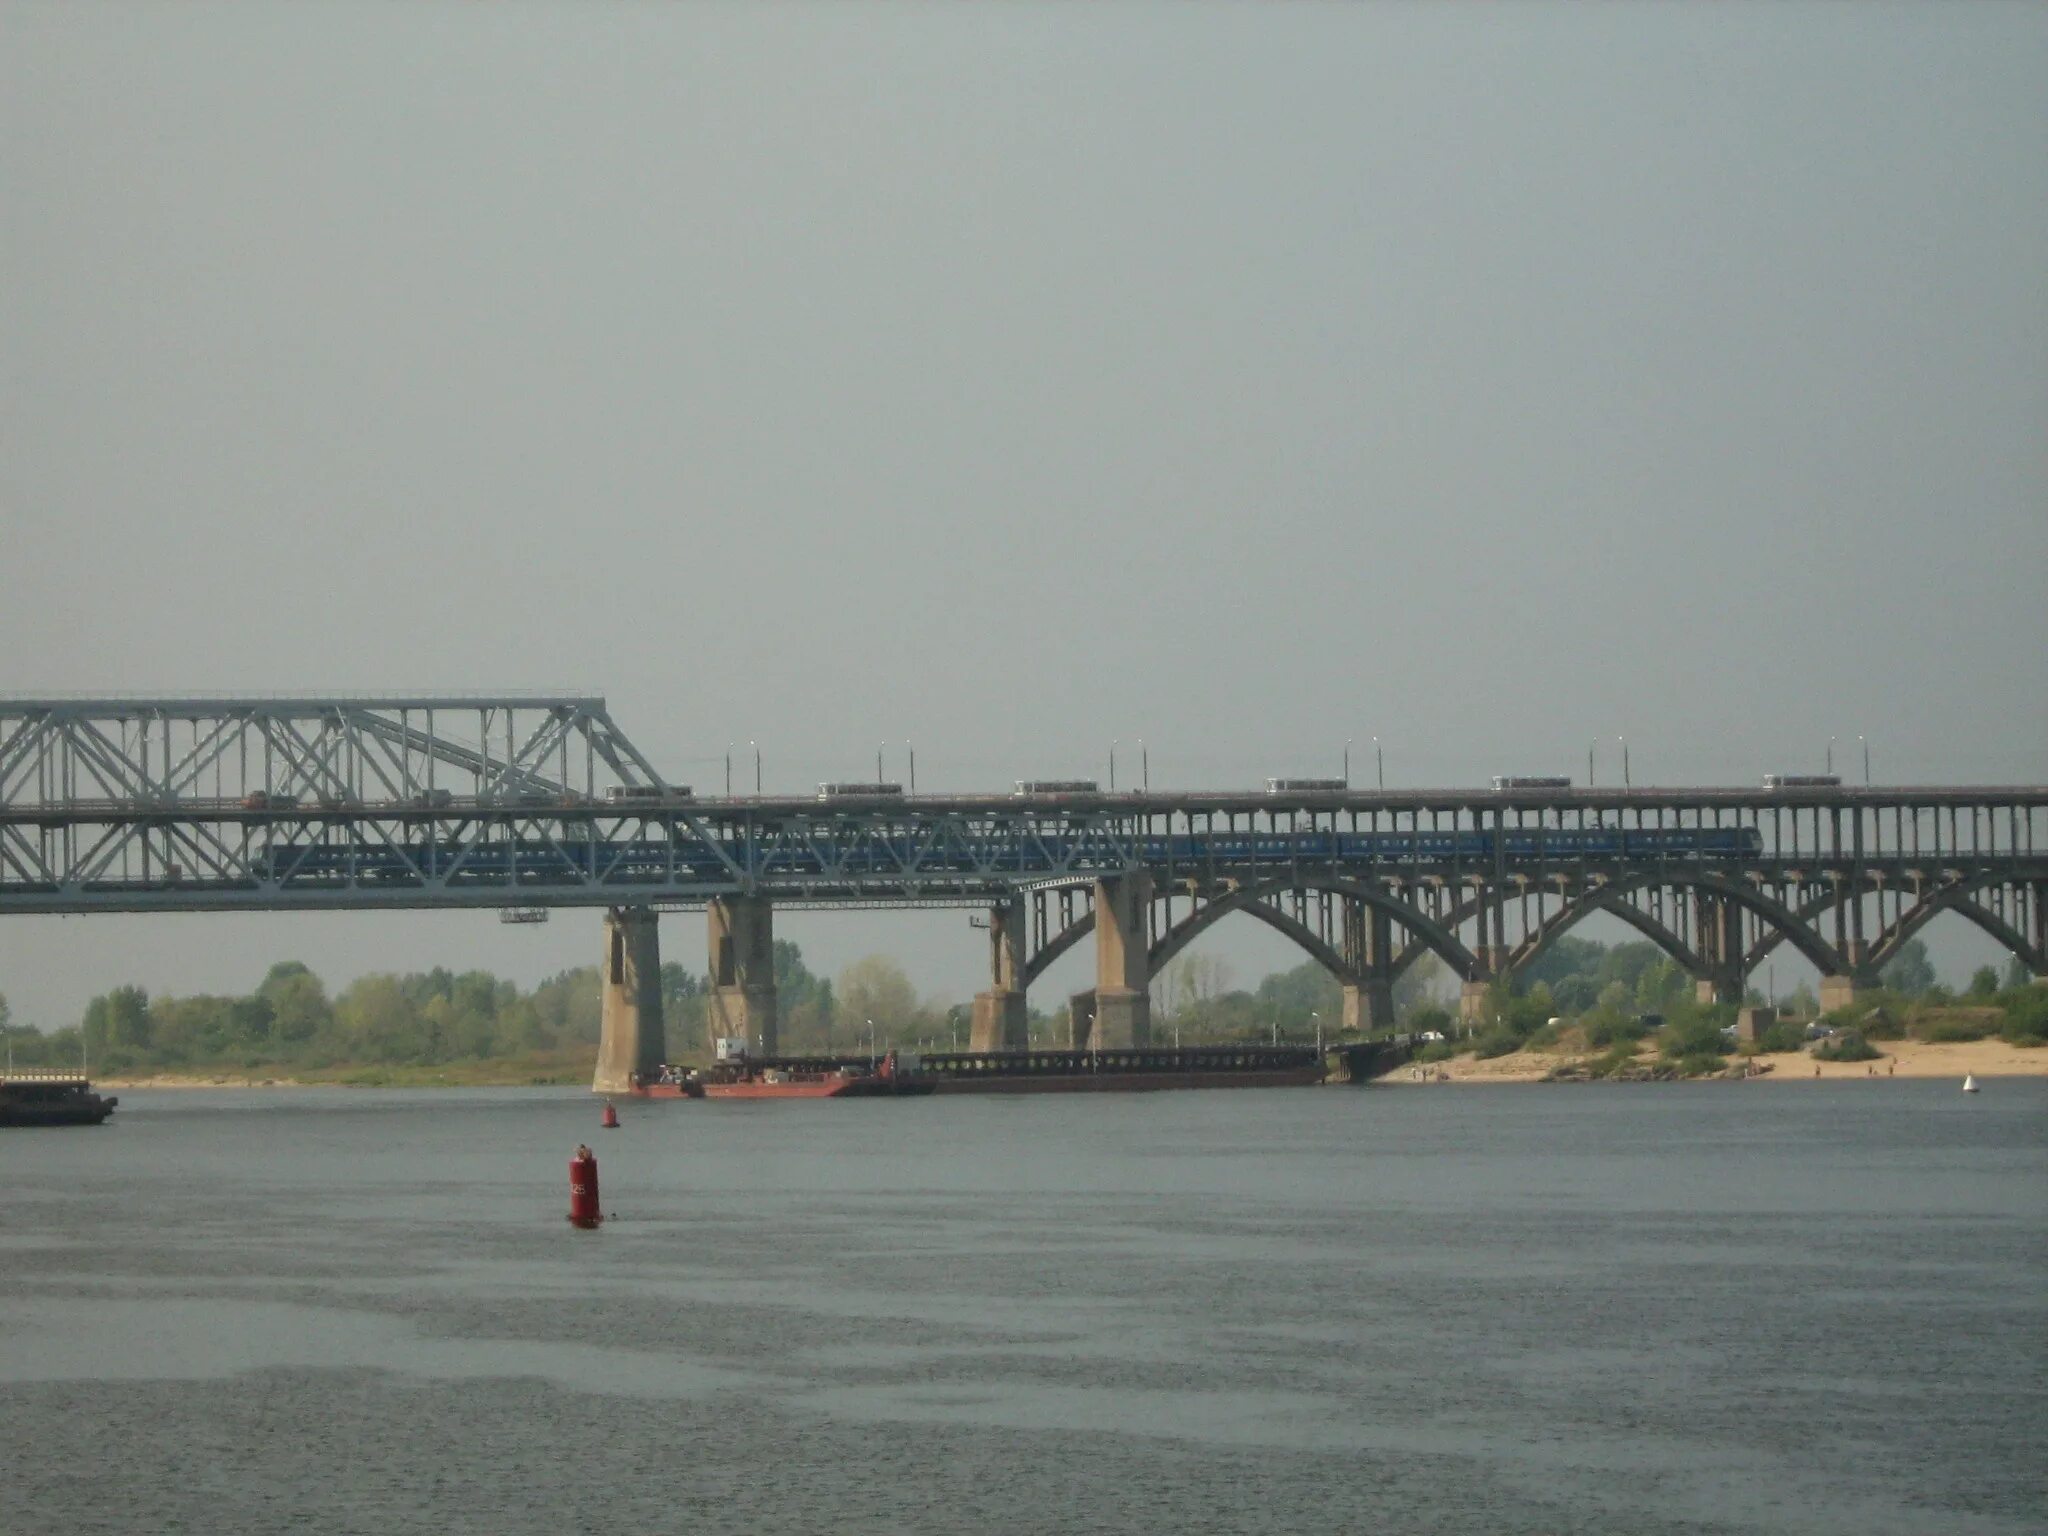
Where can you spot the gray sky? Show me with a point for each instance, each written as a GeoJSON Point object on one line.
{"type": "Point", "coordinates": [1014, 378]}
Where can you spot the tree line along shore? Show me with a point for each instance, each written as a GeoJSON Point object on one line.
{"type": "Point", "coordinates": [1594, 1009]}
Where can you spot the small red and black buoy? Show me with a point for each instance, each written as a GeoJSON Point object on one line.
{"type": "Point", "coordinates": [584, 1210]}
{"type": "Point", "coordinates": [610, 1119]}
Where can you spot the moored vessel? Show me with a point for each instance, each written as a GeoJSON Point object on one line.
{"type": "Point", "coordinates": [1140, 1070]}
{"type": "Point", "coordinates": [51, 1098]}
{"type": "Point", "coordinates": [894, 1076]}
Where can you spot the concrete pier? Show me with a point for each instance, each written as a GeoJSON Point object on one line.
{"type": "Point", "coordinates": [742, 1003]}
{"type": "Point", "coordinates": [630, 1038]}
{"type": "Point", "coordinates": [1369, 951]}
{"type": "Point", "coordinates": [1840, 991]}
{"type": "Point", "coordinates": [1123, 967]}
{"type": "Point", "coordinates": [1717, 939]}
{"type": "Point", "coordinates": [1081, 1020]}
{"type": "Point", "coordinates": [1472, 997]}
{"type": "Point", "coordinates": [1001, 1020]}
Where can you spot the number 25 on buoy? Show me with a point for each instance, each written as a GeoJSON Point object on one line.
{"type": "Point", "coordinates": [584, 1210]}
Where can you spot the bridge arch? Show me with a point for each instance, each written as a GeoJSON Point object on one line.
{"type": "Point", "coordinates": [1427, 933]}
{"type": "Point", "coordinates": [1793, 929]}
{"type": "Point", "coordinates": [1613, 900]}
{"type": "Point", "coordinates": [1956, 898]}
{"type": "Point", "coordinates": [1252, 901]}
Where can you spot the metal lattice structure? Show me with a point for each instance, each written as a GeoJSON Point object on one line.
{"type": "Point", "coordinates": [530, 803]}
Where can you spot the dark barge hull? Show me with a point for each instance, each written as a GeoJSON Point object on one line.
{"type": "Point", "coordinates": [1129, 1071]}
{"type": "Point", "coordinates": [1128, 1082]}
{"type": "Point", "coordinates": [34, 1102]}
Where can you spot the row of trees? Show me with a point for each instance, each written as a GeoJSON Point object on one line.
{"type": "Point", "coordinates": [429, 1017]}
{"type": "Point", "coordinates": [441, 1016]}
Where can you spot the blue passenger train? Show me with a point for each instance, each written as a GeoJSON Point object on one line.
{"type": "Point", "coordinates": [691, 861]}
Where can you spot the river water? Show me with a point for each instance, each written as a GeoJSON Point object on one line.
{"type": "Point", "coordinates": [1645, 1308]}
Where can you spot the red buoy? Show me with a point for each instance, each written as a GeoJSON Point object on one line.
{"type": "Point", "coordinates": [610, 1121]}
{"type": "Point", "coordinates": [584, 1210]}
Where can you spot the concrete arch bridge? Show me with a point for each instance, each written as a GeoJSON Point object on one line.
{"type": "Point", "coordinates": [534, 802]}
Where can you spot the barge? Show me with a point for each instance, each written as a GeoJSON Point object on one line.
{"type": "Point", "coordinates": [51, 1098]}
{"type": "Point", "coordinates": [1144, 1070]}
{"type": "Point", "coordinates": [863, 1079]}
{"type": "Point", "coordinates": [903, 1073]}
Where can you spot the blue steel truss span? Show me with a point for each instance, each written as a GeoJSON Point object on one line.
{"type": "Point", "coordinates": [541, 801]}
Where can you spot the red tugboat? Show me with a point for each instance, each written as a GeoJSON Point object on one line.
{"type": "Point", "coordinates": [744, 1079]}
{"type": "Point", "coordinates": [52, 1098]}
{"type": "Point", "coordinates": [667, 1083]}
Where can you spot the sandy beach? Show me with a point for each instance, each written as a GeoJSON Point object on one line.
{"type": "Point", "coordinates": [1902, 1058]}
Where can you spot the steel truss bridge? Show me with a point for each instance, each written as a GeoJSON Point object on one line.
{"type": "Point", "coordinates": [238, 804]}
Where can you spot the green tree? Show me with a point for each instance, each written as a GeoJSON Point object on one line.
{"type": "Point", "coordinates": [1910, 971]}
{"type": "Point", "coordinates": [1983, 981]}
{"type": "Point", "coordinates": [299, 1010]}
{"type": "Point", "coordinates": [874, 987]}
{"type": "Point", "coordinates": [2016, 974]}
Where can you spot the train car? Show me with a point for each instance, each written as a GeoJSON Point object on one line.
{"type": "Point", "coordinates": [1776, 781]}
{"type": "Point", "coordinates": [1039, 788]}
{"type": "Point", "coordinates": [859, 791]}
{"type": "Point", "coordinates": [1506, 781]}
{"type": "Point", "coordinates": [1306, 786]}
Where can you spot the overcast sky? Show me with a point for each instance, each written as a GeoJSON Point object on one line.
{"type": "Point", "coordinates": [1013, 378]}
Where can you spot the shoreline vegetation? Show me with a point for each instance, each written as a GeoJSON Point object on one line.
{"type": "Point", "coordinates": [1582, 1010]}
{"type": "Point", "coordinates": [1905, 1060]}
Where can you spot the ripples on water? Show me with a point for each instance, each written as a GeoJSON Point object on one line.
{"type": "Point", "coordinates": [1654, 1308]}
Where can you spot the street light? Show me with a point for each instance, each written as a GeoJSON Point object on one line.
{"type": "Point", "coordinates": [1319, 1030]}
{"type": "Point", "coordinates": [1379, 762]}
{"type": "Point", "coordinates": [757, 769]}
{"type": "Point", "coordinates": [912, 750]}
{"type": "Point", "coordinates": [878, 763]}
{"type": "Point", "coordinates": [1625, 780]}
{"type": "Point", "coordinates": [1589, 764]}
{"type": "Point", "coordinates": [1112, 765]}
{"type": "Point", "coordinates": [728, 770]}
{"type": "Point", "coordinates": [1831, 754]}
{"type": "Point", "coordinates": [1347, 762]}
{"type": "Point", "coordinates": [871, 1042]}
{"type": "Point", "coordinates": [1144, 766]}
{"type": "Point", "coordinates": [1866, 760]}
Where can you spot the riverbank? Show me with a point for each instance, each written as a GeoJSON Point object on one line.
{"type": "Point", "coordinates": [1901, 1058]}
{"type": "Point", "coordinates": [539, 1069]}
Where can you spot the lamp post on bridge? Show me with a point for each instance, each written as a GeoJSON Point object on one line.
{"type": "Point", "coordinates": [911, 749]}
{"type": "Point", "coordinates": [1112, 765]}
{"type": "Point", "coordinates": [757, 768]}
{"type": "Point", "coordinates": [1831, 755]}
{"type": "Point", "coordinates": [1144, 767]}
{"type": "Point", "coordinates": [1865, 745]}
{"type": "Point", "coordinates": [1319, 1030]}
{"type": "Point", "coordinates": [1626, 782]}
{"type": "Point", "coordinates": [728, 770]}
{"type": "Point", "coordinates": [1379, 762]}
{"type": "Point", "coordinates": [1347, 762]}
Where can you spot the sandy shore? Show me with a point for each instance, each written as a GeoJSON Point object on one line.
{"type": "Point", "coordinates": [197, 1082]}
{"type": "Point", "coordinates": [1902, 1058]}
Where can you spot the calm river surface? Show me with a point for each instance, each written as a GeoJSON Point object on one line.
{"type": "Point", "coordinates": [1650, 1308]}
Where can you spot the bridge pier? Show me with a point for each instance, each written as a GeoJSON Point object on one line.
{"type": "Point", "coordinates": [742, 1003]}
{"type": "Point", "coordinates": [1472, 999]}
{"type": "Point", "coordinates": [1717, 940]}
{"type": "Point", "coordinates": [1123, 970]}
{"type": "Point", "coordinates": [1081, 1020]}
{"type": "Point", "coordinates": [1001, 1022]}
{"type": "Point", "coordinates": [630, 1035]}
{"type": "Point", "coordinates": [1369, 950]}
{"type": "Point", "coordinates": [1841, 991]}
